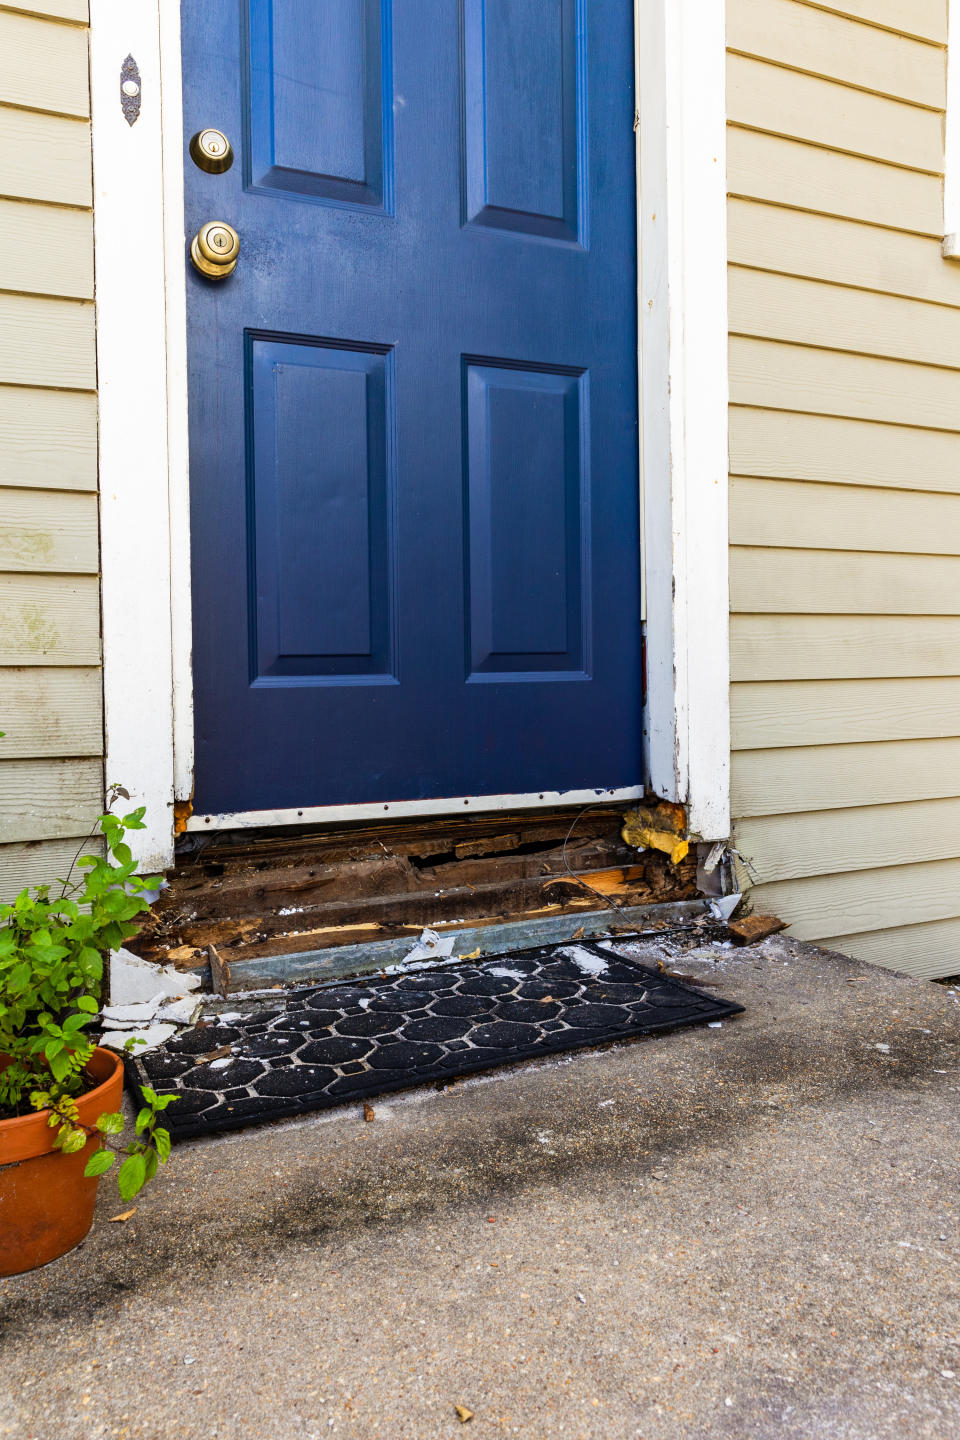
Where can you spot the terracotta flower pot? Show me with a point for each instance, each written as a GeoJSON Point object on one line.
{"type": "Point", "coordinates": [46, 1201]}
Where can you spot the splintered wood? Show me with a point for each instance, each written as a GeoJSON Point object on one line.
{"type": "Point", "coordinates": [754, 928]}
{"type": "Point", "coordinates": [239, 898]}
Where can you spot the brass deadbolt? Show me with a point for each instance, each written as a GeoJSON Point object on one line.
{"type": "Point", "coordinates": [212, 151]}
{"type": "Point", "coordinates": [214, 249]}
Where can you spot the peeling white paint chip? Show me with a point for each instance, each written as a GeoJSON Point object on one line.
{"type": "Point", "coordinates": [503, 972]}
{"type": "Point", "coordinates": [585, 960]}
{"type": "Point", "coordinates": [430, 946]}
{"type": "Point", "coordinates": [119, 1017]}
{"type": "Point", "coordinates": [181, 1012]}
{"type": "Point", "coordinates": [133, 981]}
{"type": "Point", "coordinates": [147, 1039]}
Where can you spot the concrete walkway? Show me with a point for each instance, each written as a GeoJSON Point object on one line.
{"type": "Point", "coordinates": [748, 1231]}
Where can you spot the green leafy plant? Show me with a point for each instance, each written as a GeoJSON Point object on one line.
{"type": "Point", "coordinates": [53, 940]}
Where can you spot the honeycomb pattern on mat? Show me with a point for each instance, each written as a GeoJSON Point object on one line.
{"type": "Point", "coordinates": [320, 1046]}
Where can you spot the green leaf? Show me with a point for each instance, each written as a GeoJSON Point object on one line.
{"type": "Point", "coordinates": [60, 1067]}
{"type": "Point", "coordinates": [160, 1102]}
{"type": "Point", "coordinates": [87, 1003]}
{"type": "Point", "coordinates": [110, 1123]}
{"type": "Point", "coordinates": [19, 977]}
{"type": "Point", "coordinates": [151, 1163]}
{"type": "Point", "coordinates": [99, 1163]}
{"type": "Point", "coordinates": [72, 1024]}
{"type": "Point", "coordinates": [132, 1176]}
{"type": "Point", "coordinates": [143, 1119]}
{"type": "Point", "coordinates": [161, 1139]}
{"type": "Point", "coordinates": [73, 1142]}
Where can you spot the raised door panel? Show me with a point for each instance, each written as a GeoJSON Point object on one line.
{"type": "Point", "coordinates": [319, 99]}
{"type": "Point", "coordinates": [524, 116]}
{"type": "Point", "coordinates": [527, 509]}
{"type": "Point", "coordinates": [320, 509]}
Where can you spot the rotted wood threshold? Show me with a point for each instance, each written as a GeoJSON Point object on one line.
{"type": "Point", "coordinates": [272, 904]}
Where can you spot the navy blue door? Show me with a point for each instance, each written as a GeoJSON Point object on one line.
{"type": "Point", "coordinates": [414, 404]}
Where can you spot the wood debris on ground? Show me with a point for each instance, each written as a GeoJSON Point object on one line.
{"type": "Point", "coordinates": [754, 928]}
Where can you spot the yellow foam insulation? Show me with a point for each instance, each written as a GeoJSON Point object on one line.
{"type": "Point", "coordinates": [641, 830]}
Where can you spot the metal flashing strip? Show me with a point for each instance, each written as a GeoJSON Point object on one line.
{"type": "Point", "coordinates": [407, 809]}
{"type": "Point", "coordinates": [342, 961]}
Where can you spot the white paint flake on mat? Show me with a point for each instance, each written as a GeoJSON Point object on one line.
{"type": "Point", "coordinates": [585, 960]}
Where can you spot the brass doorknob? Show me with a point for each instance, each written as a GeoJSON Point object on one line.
{"type": "Point", "coordinates": [214, 249]}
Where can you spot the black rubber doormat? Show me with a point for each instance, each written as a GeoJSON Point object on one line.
{"type": "Point", "coordinates": [317, 1047]}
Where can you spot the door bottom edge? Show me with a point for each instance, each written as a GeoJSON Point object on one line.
{"type": "Point", "coordinates": [405, 809]}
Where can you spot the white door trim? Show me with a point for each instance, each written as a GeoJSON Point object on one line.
{"type": "Point", "coordinates": [684, 394]}
{"type": "Point", "coordinates": [141, 351]}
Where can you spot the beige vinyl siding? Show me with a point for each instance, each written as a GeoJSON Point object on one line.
{"type": "Point", "coordinates": [934, 946]}
{"type": "Point", "coordinates": [51, 707]}
{"type": "Point", "coordinates": [923, 19]}
{"type": "Point", "coordinates": [845, 476]}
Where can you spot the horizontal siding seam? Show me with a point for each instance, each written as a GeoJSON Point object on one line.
{"type": "Point", "coordinates": [827, 214]}
{"type": "Point", "coordinates": [40, 204]}
{"type": "Point", "coordinates": [21, 108]}
{"type": "Point", "coordinates": [815, 414]}
{"type": "Point", "coordinates": [68, 205]}
{"type": "Point", "coordinates": [92, 389]}
{"type": "Point", "coordinates": [737, 334]}
{"type": "Point", "coordinates": [857, 745]}
{"type": "Point", "coordinates": [911, 298]}
{"type": "Point", "coordinates": [848, 680]}
{"type": "Point", "coordinates": [874, 869]}
{"type": "Point", "coordinates": [845, 485]}
{"type": "Point", "coordinates": [78, 299]}
{"type": "Point", "coordinates": [873, 24]}
{"type": "Point", "coordinates": [834, 79]}
{"type": "Point", "coordinates": [839, 552]}
{"type": "Point", "coordinates": [29, 13]}
{"type": "Point", "coordinates": [6, 483]}
{"type": "Point", "coordinates": [823, 415]}
{"type": "Point", "coordinates": [836, 149]}
{"type": "Point", "coordinates": [85, 302]}
{"type": "Point", "coordinates": [827, 149]}
{"type": "Point", "coordinates": [32, 573]}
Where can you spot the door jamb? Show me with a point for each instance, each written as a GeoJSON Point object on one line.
{"type": "Point", "coordinates": [141, 355]}
{"type": "Point", "coordinates": [684, 392]}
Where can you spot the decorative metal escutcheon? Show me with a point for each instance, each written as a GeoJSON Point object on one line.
{"type": "Point", "coordinates": [214, 249]}
{"type": "Point", "coordinates": [130, 87]}
{"type": "Point", "coordinates": [211, 151]}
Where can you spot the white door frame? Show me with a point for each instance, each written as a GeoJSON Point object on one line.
{"type": "Point", "coordinates": [144, 484]}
